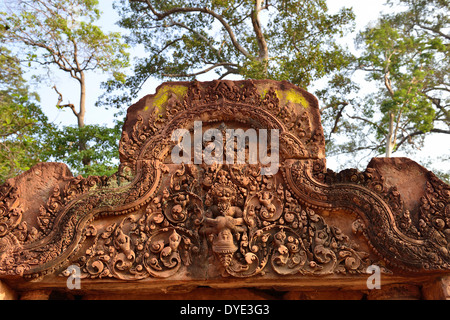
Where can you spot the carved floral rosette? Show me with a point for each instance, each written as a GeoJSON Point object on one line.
{"type": "Point", "coordinates": [158, 219]}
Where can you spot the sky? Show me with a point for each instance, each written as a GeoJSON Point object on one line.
{"type": "Point", "coordinates": [366, 12]}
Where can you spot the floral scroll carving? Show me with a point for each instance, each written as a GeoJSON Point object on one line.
{"type": "Point", "coordinates": [239, 226]}
{"type": "Point", "coordinates": [158, 219]}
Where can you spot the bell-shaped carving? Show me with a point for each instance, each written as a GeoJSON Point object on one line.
{"type": "Point", "coordinates": [224, 243]}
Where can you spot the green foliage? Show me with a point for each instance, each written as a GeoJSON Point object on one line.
{"type": "Point", "coordinates": [22, 122]}
{"type": "Point", "coordinates": [281, 40]}
{"type": "Point", "coordinates": [63, 33]}
{"type": "Point", "coordinates": [22, 125]}
{"type": "Point", "coordinates": [406, 58]}
{"type": "Point", "coordinates": [101, 148]}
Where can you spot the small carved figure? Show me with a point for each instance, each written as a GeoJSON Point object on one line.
{"type": "Point", "coordinates": [179, 209]}
{"type": "Point", "coordinates": [226, 225]}
{"type": "Point", "coordinates": [281, 254]}
{"type": "Point", "coordinates": [267, 209]}
{"type": "Point", "coordinates": [174, 242]}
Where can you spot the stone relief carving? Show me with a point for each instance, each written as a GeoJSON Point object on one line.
{"type": "Point", "coordinates": [248, 229]}
{"type": "Point", "coordinates": [157, 219]}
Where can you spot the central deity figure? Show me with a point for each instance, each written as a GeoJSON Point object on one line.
{"type": "Point", "coordinates": [224, 223]}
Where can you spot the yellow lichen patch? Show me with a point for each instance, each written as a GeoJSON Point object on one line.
{"type": "Point", "coordinates": [286, 96]}
{"type": "Point", "coordinates": [263, 94]}
{"type": "Point", "coordinates": [163, 95]}
{"type": "Point", "coordinates": [293, 96]}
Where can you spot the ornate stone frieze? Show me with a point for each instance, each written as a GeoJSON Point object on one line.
{"type": "Point", "coordinates": [157, 218]}
{"type": "Point", "coordinates": [236, 222]}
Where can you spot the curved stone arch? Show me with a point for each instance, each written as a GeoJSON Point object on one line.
{"type": "Point", "coordinates": [386, 239]}
{"type": "Point", "coordinates": [252, 116]}
{"type": "Point", "coordinates": [289, 107]}
{"type": "Point", "coordinates": [70, 232]}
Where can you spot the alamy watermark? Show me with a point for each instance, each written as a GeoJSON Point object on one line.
{"type": "Point", "coordinates": [209, 147]}
{"type": "Point", "coordinates": [374, 281]}
{"type": "Point", "coordinates": [74, 277]}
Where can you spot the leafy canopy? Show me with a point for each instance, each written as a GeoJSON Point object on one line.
{"type": "Point", "coordinates": [100, 147]}
{"type": "Point", "coordinates": [281, 40]}
{"type": "Point", "coordinates": [406, 58]}
{"type": "Point", "coordinates": [22, 122]}
{"type": "Point", "coordinates": [63, 33]}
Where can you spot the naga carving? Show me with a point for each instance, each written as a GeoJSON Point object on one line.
{"type": "Point", "coordinates": [156, 218]}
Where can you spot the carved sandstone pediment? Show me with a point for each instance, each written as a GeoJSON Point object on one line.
{"type": "Point", "coordinates": [159, 220]}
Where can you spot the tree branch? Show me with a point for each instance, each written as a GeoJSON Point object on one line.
{"type": "Point", "coordinates": [16, 130]}
{"type": "Point", "coordinates": [180, 75]}
{"type": "Point", "coordinates": [338, 116]}
{"type": "Point", "coordinates": [224, 75]}
{"type": "Point", "coordinates": [368, 121]}
{"type": "Point", "coordinates": [419, 132]}
{"type": "Point", "coordinates": [182, 25]}
{"type": "Point", "coordinates": [439, 32]}
{"type": "Point", "coordinates": [160, 16]}
{"type": "Point", "coordinates": [69, 105]}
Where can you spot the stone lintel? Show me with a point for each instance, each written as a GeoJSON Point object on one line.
{"type": "Point", "coordinates": [159, 223]}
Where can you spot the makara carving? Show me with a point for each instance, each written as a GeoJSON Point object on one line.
{"type": "Point", "coordinates": [158, 219]}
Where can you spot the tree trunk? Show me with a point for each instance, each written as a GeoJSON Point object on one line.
{"type": "Point", "coordinates": [80, 117]}
{"type": "Point", "coordinates": [263, 55]}
{"type": "Point", "coordinates": [82, 110]}
{"type": "Point", "coordinates": [389, 139]}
